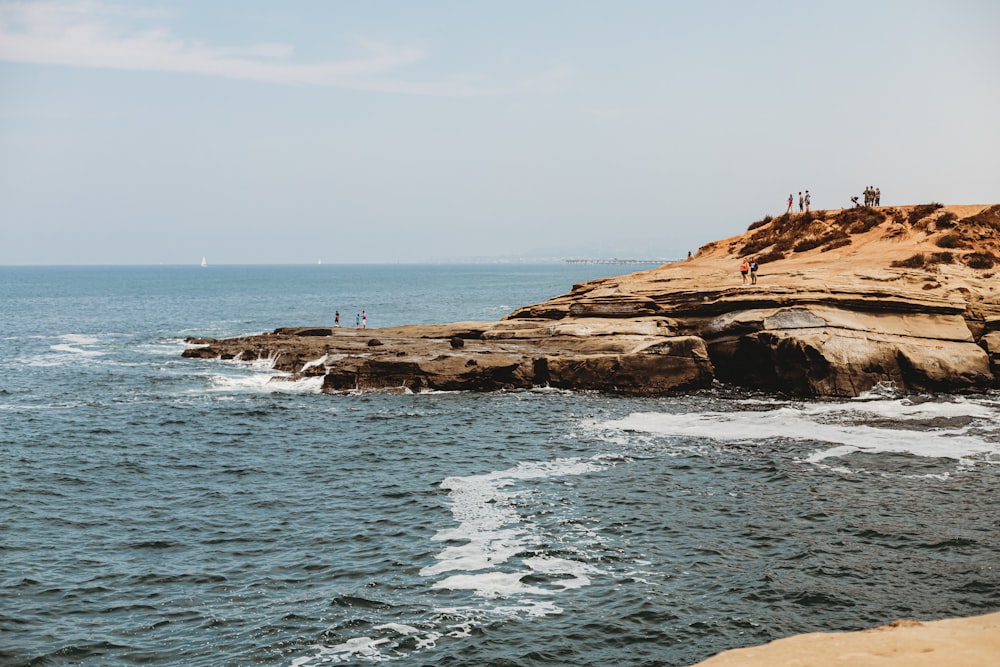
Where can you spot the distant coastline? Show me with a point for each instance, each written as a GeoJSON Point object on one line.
{"type": "Point", "coordinates": [652, 262]}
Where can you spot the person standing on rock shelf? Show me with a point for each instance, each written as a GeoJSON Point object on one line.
{"type": "Point", "coordinates": [753, 268]}
{"type": "Point", "coordinates": [808, 201]}
{"type": "Point", "coordinates": [744, 269]}
{"type": "Point", "coordinates": [801, 202]}
{"type": "Point", "coordinates": [357, 320]}
{"type": "Point", "coordinates": [790, 202]}
{"type": "Point", "coordinates": [336, 319]}
{"type": "Point", "coordinates": [878, 196]}
{"type": "Point", "coordinates": [364, 320]}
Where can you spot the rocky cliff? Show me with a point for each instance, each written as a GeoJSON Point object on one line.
{"type": "Point", "coordinates": [844, 301]}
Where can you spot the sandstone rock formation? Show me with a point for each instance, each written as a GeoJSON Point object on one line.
{"type": "Point", "coordinates": [955, 642]}
{"type": "Point", "coordinates": [845, 300]}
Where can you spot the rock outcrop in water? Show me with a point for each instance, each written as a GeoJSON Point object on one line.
{"type": "Point", "coordinates": [845, 300]}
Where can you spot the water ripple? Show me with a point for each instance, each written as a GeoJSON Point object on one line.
{"type": "Point", "coordinates": [509, 528]}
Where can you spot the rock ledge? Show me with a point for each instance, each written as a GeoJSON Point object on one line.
{"type": "Point", "coordinates": [845, 301]}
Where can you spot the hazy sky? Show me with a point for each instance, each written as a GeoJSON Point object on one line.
{"type": "Point", "coordinates": [147, 132]}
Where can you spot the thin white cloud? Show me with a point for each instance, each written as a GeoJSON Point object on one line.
{"type": "Point", "coordinates": [92, 34]}
{"type": "Point", "coordinates": [550, 80]}
{"type": "Point", "coordinates": [608, 113]}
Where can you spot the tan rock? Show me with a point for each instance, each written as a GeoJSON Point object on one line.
{"type": "Point", "coordinates": [845, 300]}
{"type": "Point", "coordinates": [674, 364]}
{"type": "Point", "coordinates": [962, 642]}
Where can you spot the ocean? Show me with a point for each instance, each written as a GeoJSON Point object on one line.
{"type": "Point", "coordinates": [158, 510]}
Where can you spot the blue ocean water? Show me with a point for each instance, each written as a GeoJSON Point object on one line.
{"type": "Point", "coordinates": [166, 511]}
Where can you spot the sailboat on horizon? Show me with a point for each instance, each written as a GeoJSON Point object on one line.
{"type": "Point", "coordinates": [204, 262]}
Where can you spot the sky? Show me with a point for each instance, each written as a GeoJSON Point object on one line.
{"type": "Point", "coordinates": [252, 132]}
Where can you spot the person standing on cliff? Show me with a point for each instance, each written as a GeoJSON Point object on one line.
{"type": "Point", "coordinates": [878, 196]}
{"type": "Point", "coordinates": [790, 202]}
{"type": "Point", "coordinates": [744, 269]}
{"type": "Point", "coordinates": [801, 202]}
{"type": "Point", "coordinates": [754, 266]}
{"type": "Point", "coordinates": [808, 201]}
{"type": "Point", "coordinates": [336, 319]}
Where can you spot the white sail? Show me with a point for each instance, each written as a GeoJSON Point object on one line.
{"type": "Point", "coordinates": [203, 261]}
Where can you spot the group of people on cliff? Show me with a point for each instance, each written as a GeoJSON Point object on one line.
{"type": "Point", "coordinates": [360, 320]}
{"type": "Point", "coordinates": [749, 267]}
{"type": "Point", "coordinates": [873, 197]}
{"type": "Point", "coordinates": [804, 202]}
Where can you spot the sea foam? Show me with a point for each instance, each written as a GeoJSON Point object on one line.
{"type": "Point", "coordinates": [264, 382]}
{"type": "Point", "coordinates": [495, 549]}
{"type": "Point", "coordinates": [957, 429]}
